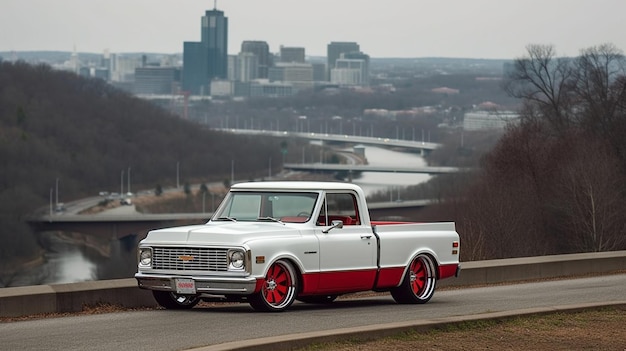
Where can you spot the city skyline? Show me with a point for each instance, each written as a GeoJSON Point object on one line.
{"type": "Point", "coordinates": [398, 28]}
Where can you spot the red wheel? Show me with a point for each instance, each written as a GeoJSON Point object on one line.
{"type": "Point", "coordinates": [419, 282]}
{"type": "Point", "coordinates": [279, 289]}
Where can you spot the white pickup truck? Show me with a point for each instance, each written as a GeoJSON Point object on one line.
{"type": "Point", "coordinates": [271, 243]}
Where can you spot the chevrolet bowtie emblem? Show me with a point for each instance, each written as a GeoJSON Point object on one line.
{"type": "Point", "coordinates": [186, 258]}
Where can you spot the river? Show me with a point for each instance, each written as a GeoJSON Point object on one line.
{"type": "Point", "coordinates": [69, 263]}
{"type": "Point", "coordinates": [372, 182]}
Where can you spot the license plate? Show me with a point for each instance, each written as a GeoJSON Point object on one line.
{"type": "Point", "coordinates": [185, 286]}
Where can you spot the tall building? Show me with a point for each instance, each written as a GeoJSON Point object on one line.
{"type": "Point", "coordinates": [292, 54]}
{"type": "Point", "coordinates": [334, 51]}
{"type": "Point", "coordinates": [207, 59]}
{"type": "Point", "coordinates": [352, 68]}
{"type": "Point", "coordinates": [348, 73]}
{"type": "Point", "coordinates": [247, 67]}
{"type": "Point", "coordinates": [262, 51]}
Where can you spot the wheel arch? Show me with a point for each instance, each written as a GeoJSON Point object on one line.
{"type": "Point", "coordinates": [293, 260]}
{"type": "Point", "coordinates": [426, 252]}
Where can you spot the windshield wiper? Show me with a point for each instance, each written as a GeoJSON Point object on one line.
{"type": "Point", "coordinates": [270, 219]}
{"type": "Point", "coordinates": [227, 219]}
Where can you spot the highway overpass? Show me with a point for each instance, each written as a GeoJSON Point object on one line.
{"type": "Point", "coordinates": [335, 167]}
{"type": "Point", "coordinates": [343, 138]}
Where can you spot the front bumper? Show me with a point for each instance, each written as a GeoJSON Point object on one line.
{"type": "Point", "coordinates": [203, 284]}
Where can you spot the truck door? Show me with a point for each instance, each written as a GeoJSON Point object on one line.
{"type": "Point", "coordinates": [348, 254]}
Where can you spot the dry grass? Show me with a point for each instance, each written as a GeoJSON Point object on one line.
{"type": "Point", "coordinates": [588, 330]}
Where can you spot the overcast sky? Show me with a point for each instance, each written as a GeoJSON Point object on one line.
{"type": "Point", "coordinates": [390, 28]}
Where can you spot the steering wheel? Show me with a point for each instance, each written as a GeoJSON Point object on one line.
{"type": "Point", "coordinates": [303, 214]}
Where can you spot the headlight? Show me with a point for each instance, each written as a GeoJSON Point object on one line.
{"type": "Point", "coordinates": [237, 259]}
{"type": "Point", "coordinates": [145, 256]}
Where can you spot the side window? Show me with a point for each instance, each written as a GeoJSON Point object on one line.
{"type": "Point", "coordinates": [339, 206]}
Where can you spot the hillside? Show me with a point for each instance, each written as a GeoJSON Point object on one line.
{"type": "Point", "coordinates": [85, 133]}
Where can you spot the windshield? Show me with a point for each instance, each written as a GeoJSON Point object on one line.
{"type": "Point", "coordinates": [291, 207]}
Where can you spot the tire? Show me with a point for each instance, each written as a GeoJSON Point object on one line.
{"type": "Point", "coordinates": [319, 299]}
{"type": "Point", "coordinates": [279, 289]}
{"type": "Point", "coordinates": [173, 301]}
{"type": "Point", "coordinates": [418, 285]}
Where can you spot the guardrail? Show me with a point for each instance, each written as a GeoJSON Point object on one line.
{"type": "Point", "coordinates": [59, 298]}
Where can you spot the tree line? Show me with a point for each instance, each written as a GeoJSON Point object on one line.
{"type": "Point", "coordinates": [555, 182]}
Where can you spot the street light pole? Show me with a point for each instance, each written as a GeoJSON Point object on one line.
{"type": "Point", "coordinates": [128, 187]}
{"type": "Point", "coordinates": [122, 184]}
{"type": "Point", "coordinates": [177, 175]}
{"type": "Point", "coordinates": [57, 192]}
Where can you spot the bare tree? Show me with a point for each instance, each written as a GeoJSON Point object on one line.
{"type": "Point", "coordinates": [600, 88]}
{"type": "Point", "coordinates": [544, 82]}
{"type": "Point", "coordinates": [590, 199]}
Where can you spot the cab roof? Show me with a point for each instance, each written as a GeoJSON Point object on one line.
{"type": "Point", "coordinates": [296, 185]}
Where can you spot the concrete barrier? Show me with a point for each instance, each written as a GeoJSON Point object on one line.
{"type": "Point", "coordinates": [540, 267]}
{"type": "Point", "coordinates": [74, 297]}
{"type": "Point", "coordinates": [59, 298]}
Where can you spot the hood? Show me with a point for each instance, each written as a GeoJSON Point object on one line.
{"type": "Point", "coordinates": [219, 233]}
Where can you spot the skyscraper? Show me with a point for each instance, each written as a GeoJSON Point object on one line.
{"type": "Point", "coordinates": [207, 59]}
{"type": "Point", "coordinates": [334, 51]}
{"type": "Point", "coordinates": [262, 51]}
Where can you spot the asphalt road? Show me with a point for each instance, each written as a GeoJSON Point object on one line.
{"type": "Point", "coordinates": [177, 330]}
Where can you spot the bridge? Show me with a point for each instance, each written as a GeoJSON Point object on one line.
{"type": "Point", "coordinates": [344, 138]}
{"type": "Point", "coordinates": [118, 226]}
{"type": "Point", "coordinates": [113, 226]}
{"type": "Point", "coordinates": [330, 167]}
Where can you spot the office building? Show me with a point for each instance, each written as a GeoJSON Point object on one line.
{"type": "Point", "coordinates": [292, 54]}
{"type": "Point", "coordinates": [262, 51]}
{"type": "Point", "coordinates": [334, 51]}
{"type": "Point", "coordinates": [208, 59]}
{"type": "Point", "coordinates": [263, 88]}
{"type": "Point", "coordinates": [489, 120]}
{"type": "Point", "coordinates": [300, 75]}
{"type": "Point", "coordinates": [247, 67]}
{"type": "Point", "coordinates": [156, 80]}
{"type": "Point", "coordinates": [319, 71]}
{"type": "Point", "coordinates": [352, 68]}
{"type": "Point", "coordinates": [291, 72]}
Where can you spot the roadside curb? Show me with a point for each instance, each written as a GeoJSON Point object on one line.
{"type": "Point", "coordinates": [371, 332]}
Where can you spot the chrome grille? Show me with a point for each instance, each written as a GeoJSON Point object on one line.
{"type": "Point", "coordinates": [190, 259]}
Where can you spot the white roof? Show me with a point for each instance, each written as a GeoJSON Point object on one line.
{"type": "Point", "coordinates": [297, 185]}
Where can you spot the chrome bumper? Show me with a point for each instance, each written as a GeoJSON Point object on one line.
{"type": "Point", "coordinates": [210, 285]}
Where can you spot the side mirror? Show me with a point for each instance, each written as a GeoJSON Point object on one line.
{"type": "Point", "coordinates": [334, 224]}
